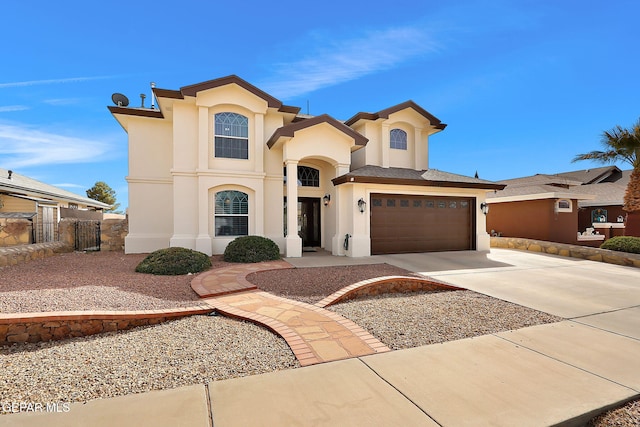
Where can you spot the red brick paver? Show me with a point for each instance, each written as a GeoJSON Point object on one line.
{"type": "Point", "coordinates": [232, 279]}
{"type": "Point", "coordinates": [315, 335]}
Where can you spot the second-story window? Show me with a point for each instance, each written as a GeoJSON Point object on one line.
{"type": "Point", "coordinates": [231, 136]}
{"type": "Point", "coordinates": [398, 139]}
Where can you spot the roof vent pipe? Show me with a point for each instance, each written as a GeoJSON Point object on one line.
{"type": "Point", "coordinates": [10, 173]}
{"type": "Point", "coordinates": [153, 97]}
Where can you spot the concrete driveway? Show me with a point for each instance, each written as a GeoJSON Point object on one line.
{"type": "Point", "coordinates": [566, 287]}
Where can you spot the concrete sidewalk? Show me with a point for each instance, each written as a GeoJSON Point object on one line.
{"type": "Point", "coordinates": [539, 376]}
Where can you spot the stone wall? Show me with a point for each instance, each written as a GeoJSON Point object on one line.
{"type": "Point", "coordinates": [562, 249]}
{"type": "Point", "coordinates": [37, 327]}
{"type": "Point", "coordinates": [24, 253]}
{"type": "Point", "coordinates": [15, 231]}
{"type": "Point", "coordinates": [112, 233]}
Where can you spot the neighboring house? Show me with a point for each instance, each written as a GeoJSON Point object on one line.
{"type": "Point", "coordinates": [558, 207]}
{"type": "Point", "coordinates": [222, 159]}
{"type": "Point", "coordinates": [44, 205]}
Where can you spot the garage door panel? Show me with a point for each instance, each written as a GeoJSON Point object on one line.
{"type": "Point", "coordinates": [402, 224]}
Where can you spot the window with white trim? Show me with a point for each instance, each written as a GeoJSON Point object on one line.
{"type": "Point", "coordinates": [231, 136]}
{"type": "Point", "coordinates": [563, 205]}
{"type": "Point", "coordinates": [398, 139]}
{"type": "Point", "coordinates": [231, 213]}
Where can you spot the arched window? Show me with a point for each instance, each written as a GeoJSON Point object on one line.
{"type": "Point", "coordinates": [231, 135]}
{"type": "Point", "coordinates": [398, 139]}
{"type": "Point", "coordinates": [307, 176]}
{"type": "Point", "coordinates": [231, 213]}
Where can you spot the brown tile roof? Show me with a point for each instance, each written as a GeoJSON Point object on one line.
{"type": "Point", "coordinates": [384, 114]}
{"type": "Point", "coordinates": [402, 176]}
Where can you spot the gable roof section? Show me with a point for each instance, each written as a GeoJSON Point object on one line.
{"type": "Point", "coordinates": [541, 179]}
{"type": "Point", "coordinates": [24, 186]}
{"type": "Point", "coordinates": [192, 90]}
{"type": "Point", "coordinates": [288, 131]}
{"type": "Point", "coordinates": [384, 114]}
{"type": "Point", "coordinates": [401, 176]}
{"type": "Point", "coordinates": [592, 187]}
{"type": "Point", "coordinates": [595, 175]}
{"type": "Point", "coordinates": [535, 192]}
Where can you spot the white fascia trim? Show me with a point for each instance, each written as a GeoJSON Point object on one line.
{"type": "Point", "coordinates": [539, 196]}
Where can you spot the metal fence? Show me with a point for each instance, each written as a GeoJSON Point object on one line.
{"type": "Point", "coordinates": [87, 236]}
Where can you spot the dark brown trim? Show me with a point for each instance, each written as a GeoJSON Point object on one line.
{"type": "Point", "coordinates": [384, 114]}
{"type": "Point", "coordinates": [167, 93]}
{"type": "Point", "coordinates": [344, 179]}
{"type": "Point", "coordinates": [139, 112]}
{"type": "Point", "coordinates": [289, 130]}
{"type": "Point", "coordinates": [192, 90]}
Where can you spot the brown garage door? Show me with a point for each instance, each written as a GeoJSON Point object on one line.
{"type": "Point", "coordinates": [401, 224]}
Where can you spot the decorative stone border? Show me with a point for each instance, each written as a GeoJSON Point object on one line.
{"type": "Point", "coordinates": [13, 255]}
{"type": "Point", "coordinates": [384, 285]}
{"type": "Point", "coordinates": [563, 249]}
{"type": "Point", "coordinates": [48, 326]}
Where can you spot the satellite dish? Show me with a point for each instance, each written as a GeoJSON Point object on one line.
{"type": "Point", "coordinates": [120, 100]}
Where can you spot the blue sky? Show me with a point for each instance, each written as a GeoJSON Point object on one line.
{"type": "Point", "coordinates": [523, 85]}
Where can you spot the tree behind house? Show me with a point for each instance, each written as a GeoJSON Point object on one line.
{"type": "Point", "coordinates": [105, 194]}
{"type": "Point", "coordinates": [622, 144]}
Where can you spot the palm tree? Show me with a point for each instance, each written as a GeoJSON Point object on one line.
{"type": "Point", "coordinates": [622, 144]}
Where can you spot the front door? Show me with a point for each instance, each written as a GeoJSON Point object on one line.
{"type": "Point", "coordinates": [309, 221]}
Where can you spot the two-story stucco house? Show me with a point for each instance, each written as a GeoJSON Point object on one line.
{"type": "Point", "coordinates": [222, 159]}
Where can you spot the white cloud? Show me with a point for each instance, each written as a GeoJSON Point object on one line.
{"type": "Point", "coordinates": [332, 61]}
{"type": "Point", "coordinates": [53, 81]}
{"type": "Point", "coordinates": [9, 108]}
{"type": "Point", "coordinates": [62, 101]}
{"type": "Point", "coordinates": [69, 185]}
{"type": "Point", "coordinates": [22, 146]}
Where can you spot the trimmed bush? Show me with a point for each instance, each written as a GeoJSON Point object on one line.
{"type": "Point", "coordinates": [251, 249]}
{"type": "Point", "coordinates": [174, 262]}
{"type": "Point", "coordinates": [623, 244]}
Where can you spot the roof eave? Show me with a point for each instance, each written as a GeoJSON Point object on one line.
{"type": "Point", "coordinates": [345, 179]}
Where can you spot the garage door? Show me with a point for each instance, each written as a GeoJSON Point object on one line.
{"type": "Point", "coordinates": [401, 223]}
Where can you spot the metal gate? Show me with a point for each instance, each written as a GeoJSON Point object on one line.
{"type": "Point", "coordinates": [87, 236]}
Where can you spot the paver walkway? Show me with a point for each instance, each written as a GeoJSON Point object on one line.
{"type": "Point", "coordinates": [314, 334]}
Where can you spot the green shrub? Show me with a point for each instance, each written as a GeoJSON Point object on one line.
{"type": "Point", "coordinates": [251, 249]}
{"type": "Point", "coordinates": [623, 244]}
{"type": "Point", "coordinates": [173, 262]}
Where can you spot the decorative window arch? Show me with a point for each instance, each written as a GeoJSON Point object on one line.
{"type": "Point", "coordinates": [398, 139]}
{"type": "Point", "coordinates": [231, 136]}
{"type": "Point", "coordinates": [307, 176]}
{"type": "Point", "coordinates": [231, 213]}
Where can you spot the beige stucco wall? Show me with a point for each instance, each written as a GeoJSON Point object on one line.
{"type": "Point", "coordinates": [174, 175]}
{"type": "Point", "coordinates": [378, 152]}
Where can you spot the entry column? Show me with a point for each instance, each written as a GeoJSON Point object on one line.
{"type": "Point", "coordinates": [293, 241]}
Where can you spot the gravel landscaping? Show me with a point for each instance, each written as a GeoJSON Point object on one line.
{"type": "Point", "coordinates": [312, 284]}
{"type": "Point", "coordinates": [200, 349]}
{"type": "Point", "coordinates": [411, 320]}
{"type": "Point", "coordinates": [193, 350]}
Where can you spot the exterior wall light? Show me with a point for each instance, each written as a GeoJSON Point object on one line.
{"type": "Point", "coordinates": [484, 207]}
{"type": "Point", "coordinates": [362, 205]}
{"type": "Point", "coordinates": [326, 199]}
